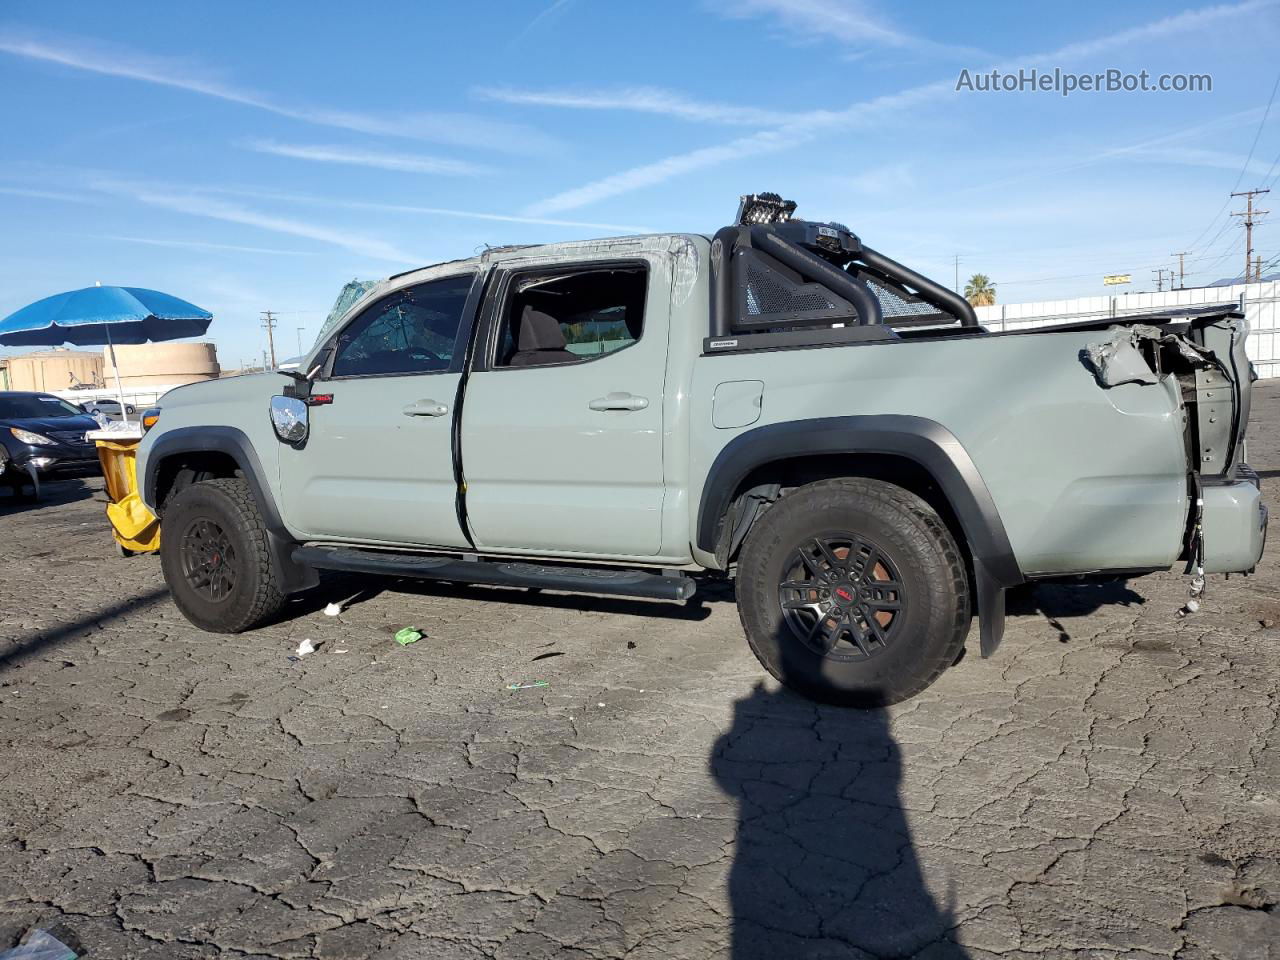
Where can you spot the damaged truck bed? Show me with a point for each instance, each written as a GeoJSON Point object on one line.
{"type": "Point", "coordinates": [777, 402]}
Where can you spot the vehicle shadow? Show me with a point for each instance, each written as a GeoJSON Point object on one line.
{"type": "Point", "coordinates": [824, 865]}
{"type": "Point", "coordinates": [52, 493]}
{"type": "Point", "coordinates": [693, 610]}
{"type": "Point", "coordinates": [1065, 600]}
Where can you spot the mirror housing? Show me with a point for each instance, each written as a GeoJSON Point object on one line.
{"type": "Point", "coordinates": [290, 418]}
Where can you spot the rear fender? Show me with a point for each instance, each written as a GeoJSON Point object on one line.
{"type": "Point", "coordinates": [926, 442]}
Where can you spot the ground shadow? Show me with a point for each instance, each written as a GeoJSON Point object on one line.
{"type": "Point", "coordinates": [824, 861]}
{"type": "Point", "coordinates": [1060, 600]}
{"type": "Point", "coordinates": [30, 645]}
{"type": "Point", "coordinates": [693, 610]}
{"type": "Point", "coordinates": [52, 493]}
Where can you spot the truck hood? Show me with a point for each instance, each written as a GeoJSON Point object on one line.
{"type": "Point", "coordinates": [220, 391]}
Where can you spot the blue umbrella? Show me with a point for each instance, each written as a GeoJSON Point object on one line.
{"type": "Point", "coordinates": [98, 315]}
{"type": "Point", "coordinates": [104, 315]}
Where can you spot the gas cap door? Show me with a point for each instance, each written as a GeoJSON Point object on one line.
{"type": "Point", "coordinates": [737, 403]}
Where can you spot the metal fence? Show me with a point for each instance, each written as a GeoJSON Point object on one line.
{"type": "Point", "coordinates": [1259, 301]}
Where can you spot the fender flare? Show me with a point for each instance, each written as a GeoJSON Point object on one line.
{"type": "Point", "coordinates": [925, 442]}
{"type": "Point", "coordinates": [234, 443]}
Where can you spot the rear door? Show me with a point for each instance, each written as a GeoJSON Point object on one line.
{"type": "Point", "coordinates": [377, 465]}
{"type": "Point", "coordinates": [562, 428]}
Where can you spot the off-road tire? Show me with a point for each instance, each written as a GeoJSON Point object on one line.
{"type": "Point", "coordinates": [229, 505]}
{"type": "Point", "coordinates": [914, 542]}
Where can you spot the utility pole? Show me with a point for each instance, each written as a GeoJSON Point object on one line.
{"type": "Point", "coordinates": [269, 324]}
{"type": "Point", "coordinates": [1257, 269]}
{"type": "Point", "coordinates": [1249, 213]}
{"type": "Point", "coordinates": [1160, 279]}
{"type": "Point", "coordinates": [1181, 272]}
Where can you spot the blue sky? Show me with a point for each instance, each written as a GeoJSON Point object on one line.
{"type": "Point", "coordinates": [251, 156]}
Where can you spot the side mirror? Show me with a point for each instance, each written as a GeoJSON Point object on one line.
{"type": "Point", "coordinates": [289, 417]}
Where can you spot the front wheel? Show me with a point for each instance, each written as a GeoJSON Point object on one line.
{"type": "Point", "coordinates": [853, 592]}
{"type": "Point", "coordinates": [215, 557]}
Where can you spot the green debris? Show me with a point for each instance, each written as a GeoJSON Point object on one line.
{"type": "Point", "coordinates": [528, 686]}
{"type": "Point", "coordinates": [408, 635]}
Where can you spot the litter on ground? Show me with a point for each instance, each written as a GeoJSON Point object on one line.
{"type": "Point", "coordinates": [39, 945]}
{"type": "Point", "coordinates": [332, 609]}
{"type": "Point", "coordinates": [528, 686]}
{"type": "Point", "coordinates": [408, 635]}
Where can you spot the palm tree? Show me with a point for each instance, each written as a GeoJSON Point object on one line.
{"type": "Point", "coordinates": [980, 291]}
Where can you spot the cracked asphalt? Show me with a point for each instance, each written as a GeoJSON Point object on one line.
{"type": "Point", "coordinates": [1107, 786]}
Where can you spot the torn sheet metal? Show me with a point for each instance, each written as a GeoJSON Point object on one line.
{"type": "Point", "coordinates": [1120, 358]}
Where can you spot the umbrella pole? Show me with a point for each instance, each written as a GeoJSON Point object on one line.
{"type": "Point", "coordinates": [115, 367]}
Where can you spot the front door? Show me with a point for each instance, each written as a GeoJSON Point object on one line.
{"type": "Point", "coordinates": [377, 465]}
{"type": "Point", "coordinates": [562, 424]}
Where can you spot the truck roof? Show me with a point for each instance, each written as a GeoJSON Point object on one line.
{"type": "Point", "coordinates": [604, 246]}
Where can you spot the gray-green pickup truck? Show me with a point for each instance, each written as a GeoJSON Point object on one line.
{"type": "Point", "coordinates": [778, 403]}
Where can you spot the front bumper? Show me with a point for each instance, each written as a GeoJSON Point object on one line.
{"type": "Point", "coordinates": [1233, 522]}
{"type": "Point", "coordinates": [48, 459]}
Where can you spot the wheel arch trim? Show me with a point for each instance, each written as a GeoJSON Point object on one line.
{"type": "Point", "coordinates": [925, 442]}
{"type": "Point", "coordinates": [234, 443]}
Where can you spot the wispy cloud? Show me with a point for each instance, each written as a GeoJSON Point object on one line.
{"type": "Point", "coordinates": [200, 245]}
{"type": "Point", "coordinates": [214, 209]}
{"type": "Point", "coordinates": [43, 195]}
{"type": "Point", "coordinates": [889, 180]}
{"type": "Point", "coordinates": [415, 210]}
{"type": "Point", "coordinates": [852, 23]}
{"type": "Point", "coordinates": [355, 156]}
{"type": "Point", "coordinates": [462, 130]}
{"type": "Point", "coordinates": [1199, 157]}
{"type": "Point", "coordinates": [654, 100]}
{"type": "Point", "coordinates": [555, 9]}
{"type": "Point", "coordinates": [805, 127]}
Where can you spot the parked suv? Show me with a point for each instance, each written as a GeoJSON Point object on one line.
{"type": "Point", "coordinates": [778, 403]}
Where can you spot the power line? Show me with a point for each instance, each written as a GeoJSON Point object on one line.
{"type": "Point", "coordinates": [1248, 215]}
{"type": "Point", "coordinates": [1265, 113]}
{"type": "Point", "coordinates": [269, 324]}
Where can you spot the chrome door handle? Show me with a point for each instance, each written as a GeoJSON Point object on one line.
{"type": "Point", "coordinates": [618, 401]}
{"type": "Point", "coordinates": [426, 408]}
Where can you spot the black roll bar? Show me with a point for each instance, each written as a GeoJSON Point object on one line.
{"type": "Point", "coordinates": [813, 266]}
{"type": "Point", "coordinates": [932, 293]}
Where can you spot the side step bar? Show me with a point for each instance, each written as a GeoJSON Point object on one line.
{"type": "Point", "coordinates": [600, 580]}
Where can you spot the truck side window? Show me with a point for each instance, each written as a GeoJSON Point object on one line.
{"type": "Point", "coordinates": [571, 316]}
{"type": "Point", "coordinates": [412, 331]}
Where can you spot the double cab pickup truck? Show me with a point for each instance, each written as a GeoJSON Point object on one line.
{"type": "Point", "coordinates": [778, 403]}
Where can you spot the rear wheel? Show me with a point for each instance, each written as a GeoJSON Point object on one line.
{"type": "Point", "coordinates": [853, 592]}
{"type": "Point", "coordinates": [214, 553]}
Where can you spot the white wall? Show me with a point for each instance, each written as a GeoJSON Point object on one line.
{"type": "Point", "coordinates": [1259, 308]}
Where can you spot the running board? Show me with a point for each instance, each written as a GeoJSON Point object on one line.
{"type": "Point", "coordinates": [601, 580]}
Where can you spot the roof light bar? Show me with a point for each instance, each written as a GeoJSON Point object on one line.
{"type": "Point", "coordinates": [760, 208]}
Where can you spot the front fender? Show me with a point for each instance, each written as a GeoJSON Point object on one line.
{"type": "Point", "coordinates": [236, 444]}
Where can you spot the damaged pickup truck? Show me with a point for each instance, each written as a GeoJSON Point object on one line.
{"type": "Point", "coordinates": [778, 403]}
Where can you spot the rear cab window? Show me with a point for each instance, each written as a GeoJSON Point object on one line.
{"type": "Point", "coordinates": [570, 315]}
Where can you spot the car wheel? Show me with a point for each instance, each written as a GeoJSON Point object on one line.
{"type": "Point", "coordinates": [853, 592]}
{"type": "Point", "coordinates": [215, 557]}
